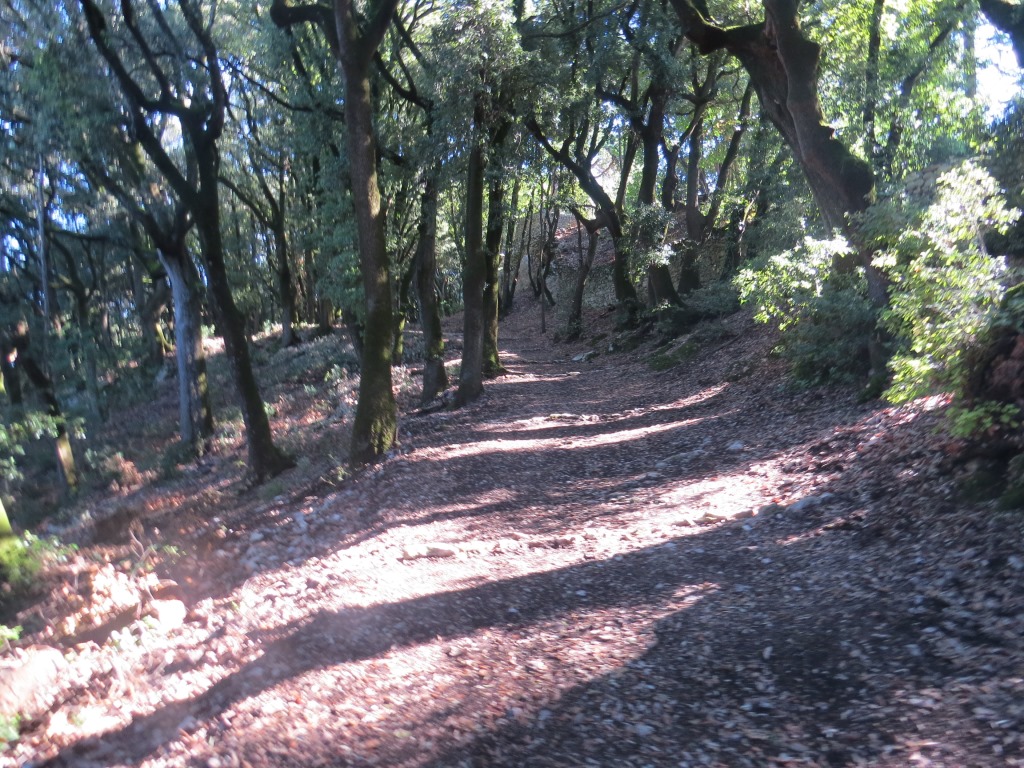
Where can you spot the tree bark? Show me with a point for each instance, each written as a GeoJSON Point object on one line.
{"type": "Point", "coordinates": [574, 327]}
{"type": "Point", "coordinates": [492, 253]}
{"type": "Point", "coordinates": [510, 265]}
{"type": "Point", "coordinates": [376, 423]}
{"type": "Point", "coordinates": [354, 38]}
{"type": "Point", "coordinates": [285, 285]}
{"type": "Point", "coordinates": [435, 377]}
{"type": "Point", "coordinates": [474, 281]}
{"type": "Point", "coordinates": [265, 459]}
{"type": "Point", "coordinates": [195, 416]}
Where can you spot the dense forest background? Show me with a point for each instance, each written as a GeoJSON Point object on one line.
{"type": "Point", "coordinates": [173, 172]}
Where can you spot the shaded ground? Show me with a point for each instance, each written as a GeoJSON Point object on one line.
{"type": "Point", "coordinates": [596, 564]}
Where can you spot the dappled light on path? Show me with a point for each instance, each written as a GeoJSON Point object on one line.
{"type": "Point", "coordinates": [593, 565]}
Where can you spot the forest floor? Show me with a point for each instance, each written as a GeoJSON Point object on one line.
{"type": "Point", "coordinates": [599, 563]}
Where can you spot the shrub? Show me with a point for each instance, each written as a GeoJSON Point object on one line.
{"type": "Point", "coordinates": [947, 290]}
{"type": "Point", "coordinates": [825, 314]}
{"type": "Point", "coordinates": [22, 558]}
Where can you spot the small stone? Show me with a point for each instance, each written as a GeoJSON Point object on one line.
{"type": "Point", "coordinates": [643, 730]}
{"type": "Point", "coordinates": [169, 614]}
{"type": "Point", "coordinates": [735, 446]}
{"type": "Point", "coordinates": [29, 681]}
{"type": "Point", "coordinates": [255, 536]}
{"type": "Point", "coordinates": [806, 503]}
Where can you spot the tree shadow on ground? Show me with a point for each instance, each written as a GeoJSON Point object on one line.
{"type": "Point", "coordinates": [755, 653]}
{"type": "Point", "coordinates": [596, 462]}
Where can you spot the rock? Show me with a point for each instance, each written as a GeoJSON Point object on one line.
{"type": "Point", "coordinates": [805, 504]}
{"type": "Point", "coordinates": [643, 730]}
{"type": "Point", "coordinates": [418, 551]}
{"type": "Point", "coordinates": [735, 446]}
{"type": "Point", "coordinates": [169, 614]}
{"type": "Point", "coordinates": [28, 681]}
{"type": "Point", "coordinates": [584, 357]}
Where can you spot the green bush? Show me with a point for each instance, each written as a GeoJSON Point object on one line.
{"type": "Point", "coordinates": [716, 299]}
{"type": "Point", "coordinates": [947, 290]}
{"type": "Point", "coordinates": [824, 314]}
{"type": "Point", "coordinates": [22, 558]}
{"type": "Point", "coordinates": [646, 229]}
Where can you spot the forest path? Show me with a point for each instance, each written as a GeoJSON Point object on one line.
{"type": "Point", "coordinates": [600, 564]}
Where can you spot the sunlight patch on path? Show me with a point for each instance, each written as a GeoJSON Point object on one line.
{"type": "Point", "coordinates": [487, 447]}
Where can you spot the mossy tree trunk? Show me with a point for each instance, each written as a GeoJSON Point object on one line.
{"type": "Point", "coordinates": [354, 36]}
{"type": "Point", "coordinates": [376, 421]}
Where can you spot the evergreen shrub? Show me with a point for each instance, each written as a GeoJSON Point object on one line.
{"type": "Point", "coordinates": [824, 313]}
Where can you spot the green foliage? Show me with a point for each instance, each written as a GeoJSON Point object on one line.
{"type": "Point", "coordinates": [9, 635]}
{"type": "Point", "coordinates": [647, 227]}
{"type": "Point", "coordinates": [824, 312]}
{"type": "Point", "coordinates": [110, 468]}
{"type": "Point", "coordinates": [665, 361]}
{"type": "Point", "coordinates": [784, 287]}
{"type": "Point", "coordinates": [10, 728]}
{"type": "Point", "coordinates": [13, 437]}
{"type": "Point", "coordinates": [176, 454]}
{"type": "Point", "coordinates": [946, 289]}
{"type": "Point", "coordinates": [716, 299]}
{"type": "Point", "coordinates": [22, 558]}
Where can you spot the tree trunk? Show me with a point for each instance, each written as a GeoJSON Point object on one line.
{"type": "Point", "coordinates": [265, 460]}
{"type": "Point", "coordinates": [402, 311]}
{"type": "Point", "coordinates": [783, 66]}
{"type": "Point", "coordinates": [41, 381]}
{"type": "Point", "coordinates": [659, 277]}
{"type": "Point", "coordinates": [492, 253]}
{"type": "Point", "coordinates": [435, 377]}
{"type": "Point", "coordinates": [668, 187]}
{"type": "Point", "coordinates": [473, 282]}
{"type": "Point", "coordinates": [195, 416]}
{"type": "Point", "coordinates": [150, 308]}
{"type": "Point", "coordinates": [510, 265]}
{"type": "Point", "coordinates": [376, 422]}
{"type": "Point", "coordinates": [285, 285]}
{"type": "Point", "coordinates": [574, 327]}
